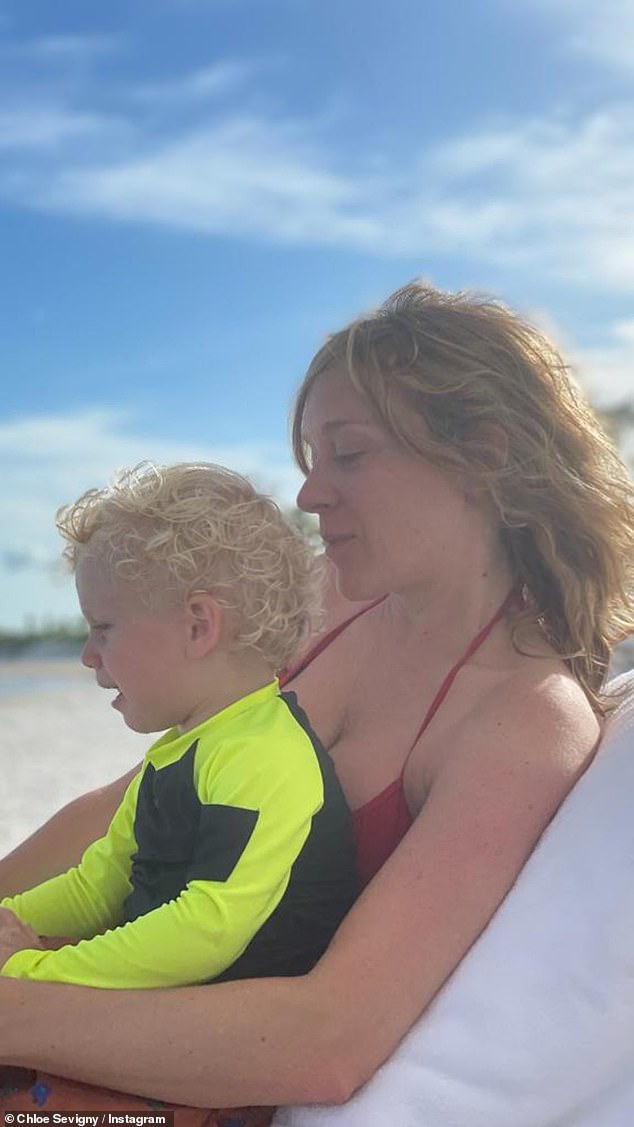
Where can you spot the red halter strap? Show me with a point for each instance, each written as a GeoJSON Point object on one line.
{"type": "Point", "coordinates": [480, 637]}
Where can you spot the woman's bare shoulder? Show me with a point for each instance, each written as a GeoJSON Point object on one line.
{"type": "Point", "coordinates": [546, 692]}
{"type": "Point", "coordinates": [538, 714]}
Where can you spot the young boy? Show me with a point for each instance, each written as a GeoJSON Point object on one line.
{"type": "Point", "coordinates": [231, 854]}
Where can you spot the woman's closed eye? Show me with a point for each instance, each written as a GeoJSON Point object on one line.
{"type": "Point", "coordinates": [347, 457]}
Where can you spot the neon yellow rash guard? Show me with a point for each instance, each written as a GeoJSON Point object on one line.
{"type": "Point", "coordinates": [230, 856]}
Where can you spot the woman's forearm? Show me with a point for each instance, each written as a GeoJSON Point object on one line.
{"type": "Point", "coordinates": [256, 1044]}
{"type": "Point", "coordinates": [311, 1039]}
{"type": "Point", "coordinates": [60, 842]}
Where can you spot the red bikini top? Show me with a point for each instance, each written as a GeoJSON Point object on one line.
{"type": "Point", "coordinates": [381, 822]}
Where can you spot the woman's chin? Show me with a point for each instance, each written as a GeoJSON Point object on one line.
{"type": "Point", "coordinates": [357, 588]}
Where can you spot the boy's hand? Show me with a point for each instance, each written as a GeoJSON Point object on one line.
{"type": "Point", "coordinates": [15, 936]}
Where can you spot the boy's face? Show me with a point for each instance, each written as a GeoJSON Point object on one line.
{"type": "Point", "coordinates": [138, 652]}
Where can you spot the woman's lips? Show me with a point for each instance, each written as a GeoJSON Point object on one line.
{"type": "Point", "coordinates": [335, 543]}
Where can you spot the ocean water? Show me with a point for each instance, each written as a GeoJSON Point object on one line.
{"type": "Point", "coordinates": [19, 677]}
{"type": "Point", "coordinates": [14, 684]}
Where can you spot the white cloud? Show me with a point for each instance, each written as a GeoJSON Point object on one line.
{"type": "Point", "coordinates": [65, 47]}
{"type": "Point", "coordinates": [607, 370]}
{"type": "Point", "coordinates": [608, 42]}
{"type": "Point", "coordinates": [41, 127]}
{"type": "Point", "coordinates": [220, 78]}
{"type": "Point", "coordinates": [553, 193]}
{"type": "Point", "coordinates": [603, 31]}
{"type": "Point", "coordinates": [241, 177]}
{"type": "Point", "coordinates": [604, 369]}
{"type": "Point", "coordinates": [83, 448]}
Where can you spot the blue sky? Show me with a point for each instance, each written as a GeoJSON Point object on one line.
{"type": "Point", "coordinates": [193, 192]}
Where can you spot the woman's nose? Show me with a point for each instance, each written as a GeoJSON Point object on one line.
{"type": "Point", "coordinates": [315, 494]}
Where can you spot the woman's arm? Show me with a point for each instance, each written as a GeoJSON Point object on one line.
{"type": "Point", "coordinates": [60, 842]}
{"type": "Point", "coordinates": [317, 1038]}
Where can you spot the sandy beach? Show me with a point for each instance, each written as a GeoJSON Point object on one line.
{"type": "Point", "coordinates": [60, 737]}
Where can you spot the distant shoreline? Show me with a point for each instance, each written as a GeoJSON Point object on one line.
{"type": "Point", "coordinates": [27, 648]}
{"type": "Point", "coordinates": [22, 676]}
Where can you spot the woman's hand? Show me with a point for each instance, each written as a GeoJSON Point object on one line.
{"type": "Point", "coordinates": [15, 936]}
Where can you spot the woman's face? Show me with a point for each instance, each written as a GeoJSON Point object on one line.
{"type": "Point", "coordinates": [389, 521]}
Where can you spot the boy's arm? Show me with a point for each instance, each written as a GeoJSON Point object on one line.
{"type": "Point", "coordinates": [88, 898]}
{"type": "Point", "coordinates": [245, 851]}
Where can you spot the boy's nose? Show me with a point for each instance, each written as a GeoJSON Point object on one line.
{"type": "Point", "coordinates": [88, 655]}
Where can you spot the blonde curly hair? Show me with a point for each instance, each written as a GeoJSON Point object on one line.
{"type": "Point", "coordinates": [170, 531]}
{"type": "Point", "coordinates": [460, 380]}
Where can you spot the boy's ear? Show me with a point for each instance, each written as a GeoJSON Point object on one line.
{"type": "Point", "coordinates": [204, 621]}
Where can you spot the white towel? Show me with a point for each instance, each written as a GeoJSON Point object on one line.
{"type": "Point", "coordinates": [536, 1026]}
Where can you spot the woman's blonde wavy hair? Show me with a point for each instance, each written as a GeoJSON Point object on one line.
{"type": "Point", "coordinates": [170, 531]}
{"type": "Point", "coordinates": [463, 382]}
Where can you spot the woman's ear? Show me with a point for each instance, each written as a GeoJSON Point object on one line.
{"type": "Point", "coordinates": [492, 441]}
{"type": "Point", "coordinates": [204, 621]}
{"type": "Point", "coordinates": [488, 446]}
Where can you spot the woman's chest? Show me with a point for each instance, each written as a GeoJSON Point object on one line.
{"type": "Point", "coordinates": [367, 707]}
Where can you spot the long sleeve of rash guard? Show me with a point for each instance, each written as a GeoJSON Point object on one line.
{"type": "Point", "coordinates": [88, 898]}
{"type": "Point", "coordinates": [260, 794]}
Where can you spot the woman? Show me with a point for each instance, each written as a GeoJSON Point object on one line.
{"type": "Point", "coordinates": [452, 464]}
